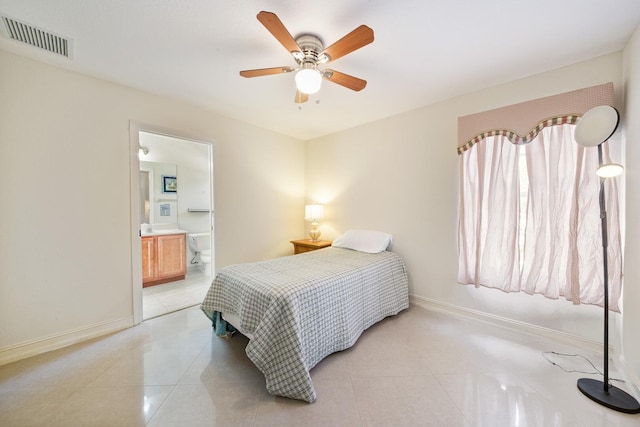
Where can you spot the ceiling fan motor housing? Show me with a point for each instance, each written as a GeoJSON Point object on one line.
{"type": "Point", "coordinates": [311, 47]}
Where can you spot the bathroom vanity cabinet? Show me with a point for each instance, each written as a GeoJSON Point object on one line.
{"type": "Point", "coordinates": [163, 258]}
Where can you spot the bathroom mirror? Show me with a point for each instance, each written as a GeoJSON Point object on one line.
{"type": "Point", "coordinates": [158, 202]}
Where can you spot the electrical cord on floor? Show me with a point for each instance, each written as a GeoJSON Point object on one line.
{"type": "Point", "coordinates": [597, 371]}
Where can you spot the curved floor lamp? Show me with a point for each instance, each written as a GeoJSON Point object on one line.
{"type": "Point", "coordinates": [595, 127]}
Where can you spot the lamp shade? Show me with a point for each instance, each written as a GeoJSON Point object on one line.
{"type": "Point", "coordinates": [596, 126]}
{"type": "Point", "coordinates": [308, 80]}
{"type": "Point", "coordinates": [313, 212]}
{"type": "Point", "coordinates": [610, 170]}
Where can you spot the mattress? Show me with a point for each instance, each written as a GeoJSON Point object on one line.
{"type": "Point", "coordinates": [298, 309]}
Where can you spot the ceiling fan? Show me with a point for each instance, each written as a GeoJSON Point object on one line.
{"type": "Point", "coordinates": [309, 53]}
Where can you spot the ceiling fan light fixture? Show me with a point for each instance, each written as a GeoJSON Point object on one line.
{"type": "Point", "coordinates": [308, 79]}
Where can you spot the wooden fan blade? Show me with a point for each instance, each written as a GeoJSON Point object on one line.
{"type": "Point", "coordinates": [272, 23]}
{"type": "Point", "coordinates": [265, 71]}
{"type": "Point", "coordinates": [301, 98]}
{"type": "Point", "coordinates": [345, 80]}
{"type": "Point", "coordinates": [356, 39]}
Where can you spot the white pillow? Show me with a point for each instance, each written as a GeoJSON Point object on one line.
{"type": "Point", "coordinates": [364, 241]}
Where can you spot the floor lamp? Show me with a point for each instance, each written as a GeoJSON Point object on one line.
{"type": "Point", "coordinates": [594, 128]}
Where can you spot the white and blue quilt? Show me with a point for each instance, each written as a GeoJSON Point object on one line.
{"type": "Point", "coordinates": [299, 309]}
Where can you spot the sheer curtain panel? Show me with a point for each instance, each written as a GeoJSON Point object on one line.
{"type": "Point", "coordinates": [488, 220]}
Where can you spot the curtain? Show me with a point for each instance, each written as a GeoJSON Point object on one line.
{"type": "Point", "coordinates": [488, 221]}
{"type": "Point", "coordinates": [553, 246]}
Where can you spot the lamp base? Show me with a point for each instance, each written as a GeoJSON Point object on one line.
{"type": "Point", "coordinates": [314, 233]}
{"type": "Point", "coordinates": [612, 397]}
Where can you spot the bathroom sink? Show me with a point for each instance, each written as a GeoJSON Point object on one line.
{"type": "Point", "coordinates": [163, 231]}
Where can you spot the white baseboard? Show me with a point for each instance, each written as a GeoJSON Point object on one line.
{"type": "Point", "coordinates": [632, 382]}
{"type": "Point", "coordinates": [26, 349]}
{"type": "Point", "coordinates": [504, 322]}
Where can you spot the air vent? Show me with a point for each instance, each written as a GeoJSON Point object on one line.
{"type": "Point", "coordinates": [35, 36]}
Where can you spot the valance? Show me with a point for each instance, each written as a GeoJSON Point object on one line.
{"type": "Point", "coordinates": [520, 123]}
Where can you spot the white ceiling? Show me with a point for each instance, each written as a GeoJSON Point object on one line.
{"type": "Point", "coordinates": [424, 50]}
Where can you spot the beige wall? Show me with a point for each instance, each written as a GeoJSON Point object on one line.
{"type": "Point", "coordinates": [400, 175]}
{"type": "Point", "coordinates": [65, 200]}
{"type": "Point", "coordinates": [631, 124]}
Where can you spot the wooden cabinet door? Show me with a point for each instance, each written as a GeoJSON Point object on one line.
{"type": "Point", "coordinates": [172, 255]}
{"type": "Point", "coordinates": [148, 258]}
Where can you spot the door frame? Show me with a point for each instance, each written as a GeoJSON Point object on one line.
{"type": "Point", "coordinates": [134, 180]}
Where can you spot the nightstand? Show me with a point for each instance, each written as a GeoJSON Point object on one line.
{"type": "Point", "coordinates": [306, 245]}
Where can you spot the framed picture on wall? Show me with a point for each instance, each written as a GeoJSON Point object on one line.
{"type": "Point", "coordinates": [169, 184]}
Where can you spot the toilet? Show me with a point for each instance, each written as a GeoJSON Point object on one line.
{"type": "Point", "coordinates": [199, 245]}
{"type": "Point", "coordinates": [205, 257]}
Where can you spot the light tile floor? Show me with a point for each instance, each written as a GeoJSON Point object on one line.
{"type": "Point", "coordinates": [173, 296]}
{"type": "Point", "coordinates": [419, 368]}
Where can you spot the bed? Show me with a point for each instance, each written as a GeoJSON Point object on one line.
{"type": "Point", "coordinates": [298, 309]}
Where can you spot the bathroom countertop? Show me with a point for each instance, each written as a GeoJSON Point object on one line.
{"type": "Point", "coordinates": [163, 232]}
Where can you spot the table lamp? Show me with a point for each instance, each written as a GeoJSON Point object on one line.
{"type": "Point", "coordinates": [313, 213]}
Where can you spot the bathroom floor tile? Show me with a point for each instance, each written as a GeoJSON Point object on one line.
{"type": "Point", "coordinates": [173, 296]}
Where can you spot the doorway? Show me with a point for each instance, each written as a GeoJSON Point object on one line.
{"type": "Point", "coordinates": [172, 196]}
